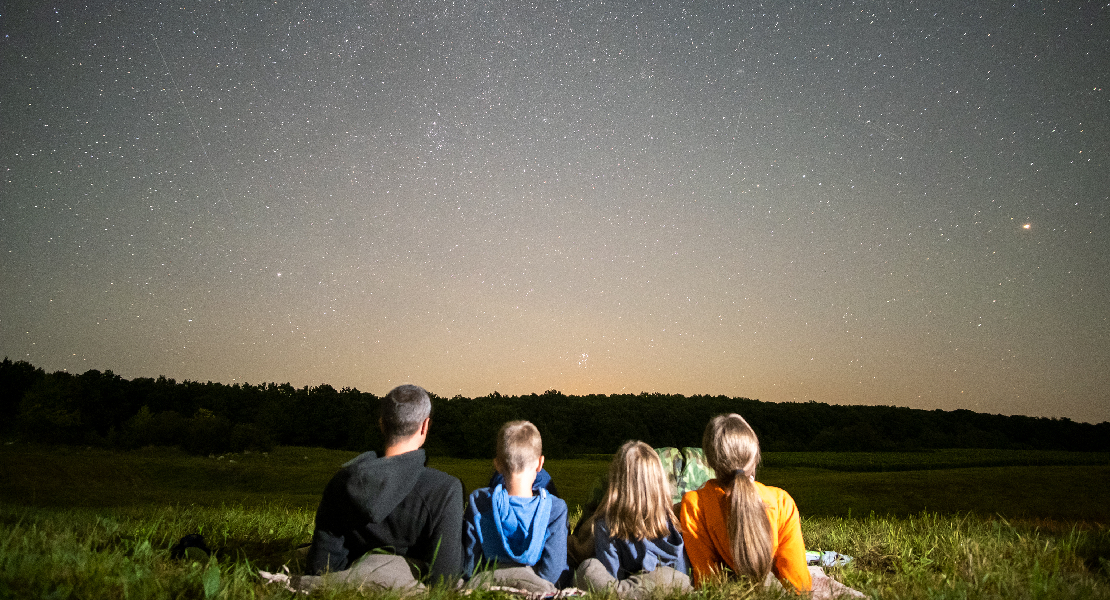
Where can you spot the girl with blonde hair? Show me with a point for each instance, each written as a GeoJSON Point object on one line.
{"type": "Point", "coordinates": [637, 547]}
{"type": "Point", "coordinates": [736, 522]}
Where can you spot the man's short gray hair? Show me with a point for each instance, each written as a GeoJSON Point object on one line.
{"type": "Point", "coordinates": [403, 409]}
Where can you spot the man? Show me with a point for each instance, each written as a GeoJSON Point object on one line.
{"type": "Point", "coordinates": [378, 509]}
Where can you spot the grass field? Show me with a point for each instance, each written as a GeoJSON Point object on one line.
{"type": "Point", "coordinates": [932, 460]}
{"type": "Point", "coordinates": [1043, 487]}
{"type": "Point", "coordinates": [90, 523]}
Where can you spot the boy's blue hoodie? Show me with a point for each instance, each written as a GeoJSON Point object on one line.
{"type": "Point", "coordinates": [517, 531]}
{"type": "Point", "coordinates": [624, 558]}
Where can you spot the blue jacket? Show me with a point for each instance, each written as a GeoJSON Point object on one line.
{"type": "Point", "coordinates": [624, 558]}
{"type": "Point", "coordinates": [484, 533]}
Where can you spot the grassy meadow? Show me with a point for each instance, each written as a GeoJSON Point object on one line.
{"type": "Point", "coordinates": [91, 523]}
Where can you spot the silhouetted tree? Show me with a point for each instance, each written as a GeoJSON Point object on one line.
{"type": "Point", "coordinates": [15, 379]}
{"type": "Point", "coordinates": [103, 408]}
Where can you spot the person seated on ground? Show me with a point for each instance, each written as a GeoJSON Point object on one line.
{"type": "Point", "coordinates": [513, 535]}
{"type": "Point", "coordinates": [637, 548]}
{"type": "Point", "coordinates": [737, 523]}
{"type": "Point", "coordinates": [685, 470]}
{"type": "Point", "coordinates": [389, 520]}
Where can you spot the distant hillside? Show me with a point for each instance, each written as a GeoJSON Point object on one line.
{"type": "Point", "coordinates": [101, 408]}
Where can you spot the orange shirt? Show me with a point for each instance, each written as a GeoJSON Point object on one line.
{"type": "Point", "coordinates": [704, 519]}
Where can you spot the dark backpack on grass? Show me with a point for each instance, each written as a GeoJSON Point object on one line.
{"type": "Point", "coordinates": [191, 546]}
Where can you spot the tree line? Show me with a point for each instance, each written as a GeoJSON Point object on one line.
{"type": "Point", "coordinates": [104, 409]}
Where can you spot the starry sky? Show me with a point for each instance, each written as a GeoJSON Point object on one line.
{"type": "Point", "coordinates": [897, 203]}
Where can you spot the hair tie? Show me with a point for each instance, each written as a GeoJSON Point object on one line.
{"type": "Point", "coordinates": [739, 473]}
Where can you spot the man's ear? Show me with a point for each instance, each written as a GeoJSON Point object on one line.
{"type": "Point", "coordinates": [539, 466]}
{"type": "Point", "coordinates": [424, 426]}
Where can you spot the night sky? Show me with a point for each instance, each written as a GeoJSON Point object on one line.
{"type": "Point", "coordinates": [893, 203]}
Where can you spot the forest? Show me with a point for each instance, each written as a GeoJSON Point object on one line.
{"type": "Point", "coordinates": [103, 409]}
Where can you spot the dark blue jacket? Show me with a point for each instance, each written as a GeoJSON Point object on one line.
{"type": "Point", "coordinates": [624, 558]}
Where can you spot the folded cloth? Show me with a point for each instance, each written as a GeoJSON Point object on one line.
{"type": "Point", "coordinates": [527, 595]}
{"type": "Point", "coordinates": [826, 559]}
{"type": "Point", "coordinates": [284, 579]}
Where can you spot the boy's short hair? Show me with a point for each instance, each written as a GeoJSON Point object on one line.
{"type": "Point", "coordinates": [402, 411]}
{"type": "Point", "coordinates": [518, 444]}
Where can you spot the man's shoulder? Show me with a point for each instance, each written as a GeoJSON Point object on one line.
{"type": "Point", "coordinates": [436, 481]}
{"type": "Point", "coordinates": [367, 456]}
{"type": "Point", "coordinates": [436, 475]}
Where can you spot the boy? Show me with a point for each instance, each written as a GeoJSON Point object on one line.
{"type": "Point", "coordinates": [519, 531]}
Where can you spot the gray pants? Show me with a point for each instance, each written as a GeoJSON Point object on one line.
{"type": "Point", "coordinates": [826, 588]}
{"type": "Point", "coordinates": [520, 577]}
{"type": "Point", "coordinates": [372, 571]}
{"type": "Point", "coordinates": [592, 575]}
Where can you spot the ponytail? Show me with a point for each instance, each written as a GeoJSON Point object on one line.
{"type": "Point", "coordinates": [749, 529]}
{"type": "Point", "coordinates": [730, 447]}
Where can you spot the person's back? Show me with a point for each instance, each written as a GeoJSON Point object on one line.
{"type": "Point", "coordinates": [520, 532]}
{"type": "Point", "coordinates": [738, 523]}
{"type": "Point", "coordinates": [392, 504]}
{"type": "Point", "coordinates": [385, 503]}
{"type": "Point", "coordinates": [638, 550]}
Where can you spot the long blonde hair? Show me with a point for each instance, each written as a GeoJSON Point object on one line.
{"type": "Point", "coordinates": [732, 451]}
{"type": "Point", "coordinates": [637, 503]}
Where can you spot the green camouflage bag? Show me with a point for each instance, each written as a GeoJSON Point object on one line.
{"type": "Point", "coordinates": [672, 466]}
{"type": "Point", "coordinates": [696, 471]}
{"type": "Point", "coordinates": [684, 473]}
